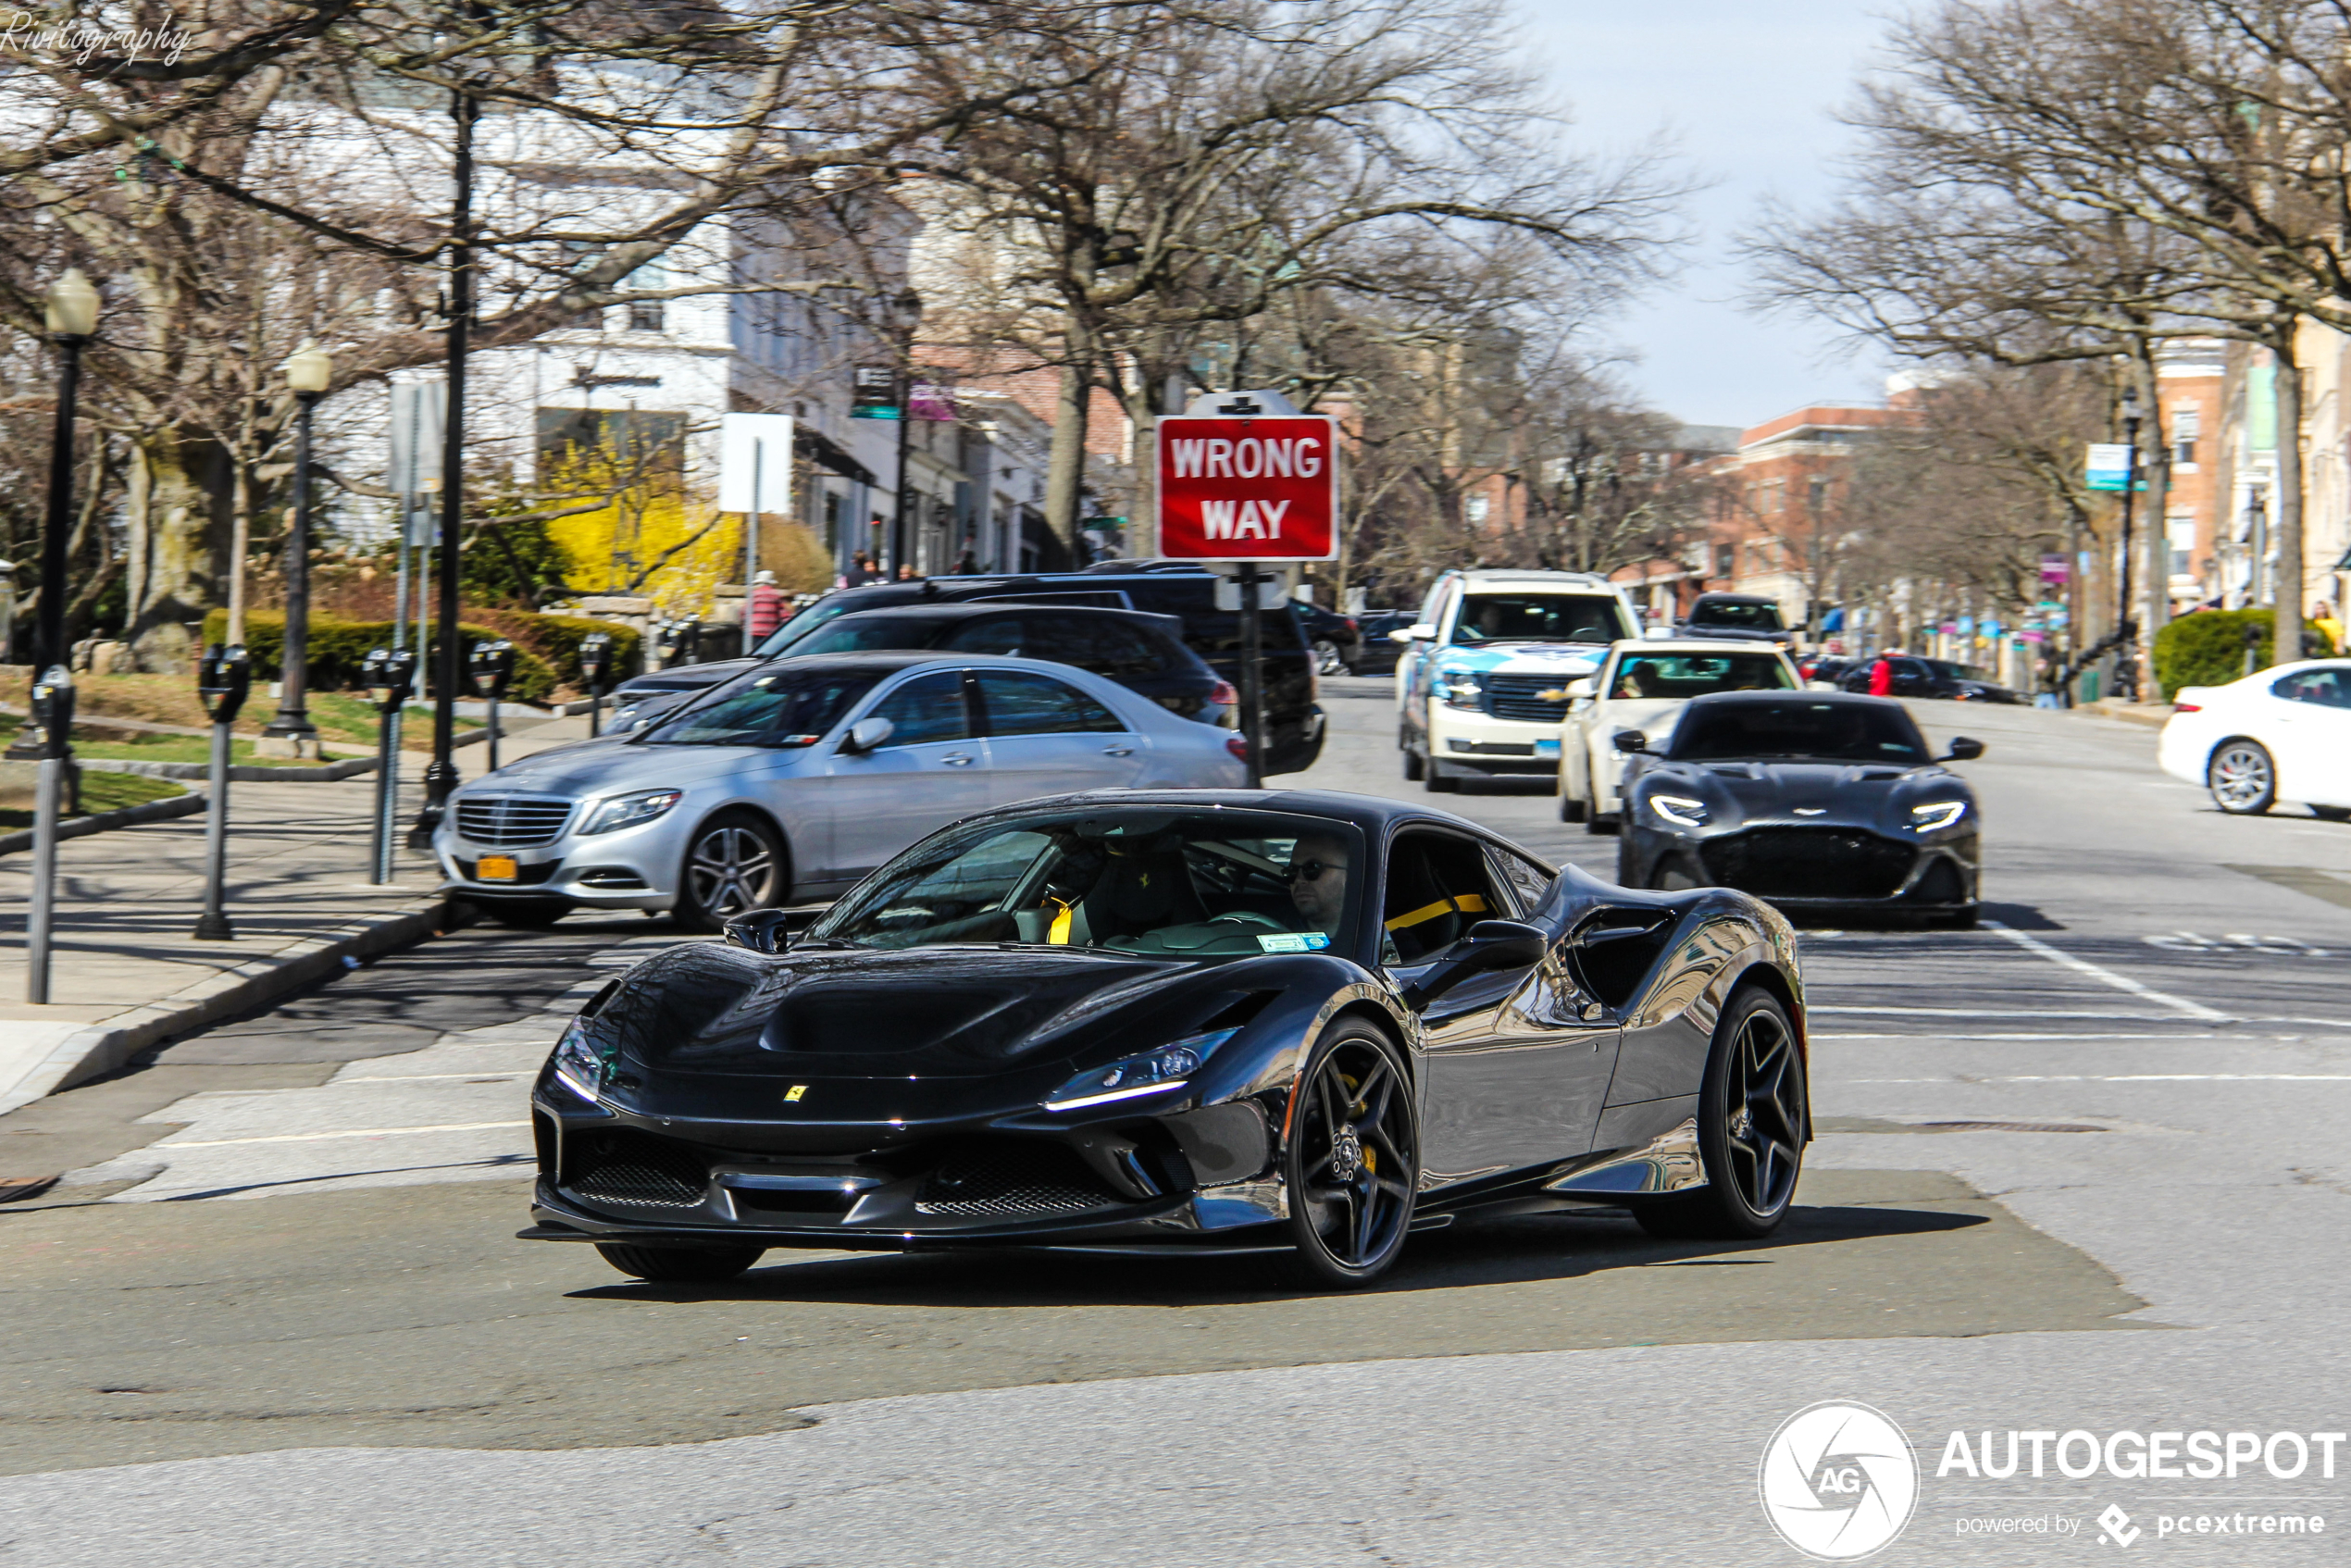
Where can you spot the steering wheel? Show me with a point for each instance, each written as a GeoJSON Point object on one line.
{"type": "Point", "coordinates": [1248, 918]}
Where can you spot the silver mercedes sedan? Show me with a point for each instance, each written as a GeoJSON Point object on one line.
{"type": "Point", "coordinates": [795, 779]}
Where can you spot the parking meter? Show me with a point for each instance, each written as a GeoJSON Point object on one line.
{"type": "Point", "coordinates": [224, 677]}
{"type": "Point", "coordinates": [388, 675]}
{"type": "Point", "coordinates": [490, 665]}
{"type": "Point", "coordinates": [679, 641]}
{"type": "Point", "coordinates": [595, 668]}
{"type": "Point", "coordinates": [52, 710]}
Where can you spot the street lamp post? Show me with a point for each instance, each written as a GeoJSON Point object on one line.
{"type": "Point", "coordinates": [72, 318]}
{"type": "Point", "coordinates": [2126, 657]}
{"type": "Point", "coordinates": [307, 373]}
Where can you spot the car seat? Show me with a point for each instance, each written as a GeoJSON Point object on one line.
{"type": "Point", "coordinates": [1435, 891]}
{"type": "Point", "coordinates": [1140, 890]}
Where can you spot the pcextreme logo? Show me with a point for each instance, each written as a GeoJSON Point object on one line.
{"type": "Point", "coordinates": [1838, 1480]}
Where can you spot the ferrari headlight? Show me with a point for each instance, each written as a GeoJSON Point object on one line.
{"type": "Point", "coordinates": [579, 1065]}
{"type": "Point", "coordinates": [628, 811]}
{"type": "Point", "coordinates": [1165, 1068]}
{"type": "Point", "coordinates": [1941, 814]}
{"type": "Point", "coordinates": [1463, 690]}
{"type": "Point", "coordinates": [1683, 811]}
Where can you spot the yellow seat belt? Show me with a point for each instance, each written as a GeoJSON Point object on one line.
{"type": "Point", "coordinates": [1464, 904]}
{"type": "Point", "coordinates": [1063, 910]}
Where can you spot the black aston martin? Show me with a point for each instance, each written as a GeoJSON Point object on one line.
{"type": "Point", "coordinates": [1204, 1022]}
{"type": "Point", "coordinates": [1820, 803]}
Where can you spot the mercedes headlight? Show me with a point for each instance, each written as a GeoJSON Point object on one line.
{"type": "Point", "coordinates": [580, 1065]}
{"type": "Point", "coordinates": [1464, 689]}
{"type": "Point", "coordinates": [1168, 1067]}
{"type": "Point", "coordinates": [1683, 811]}
{"type": "Point", "coordinates": [628, 811]}
{"type": "Point", "coordinates": [1941, 814]}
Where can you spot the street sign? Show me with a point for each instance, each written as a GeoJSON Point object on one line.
{"type": "Point", "coordinates": [1247, 487]}
{"type": "Point", "coordinates": [2108, 466]}
{"type": "Point", "coordinates": [873, 392]}
{"type": "Point", "coordinates": [754, 462]}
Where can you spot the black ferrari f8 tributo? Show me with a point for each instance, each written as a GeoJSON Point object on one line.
{"type": "Point", "coordinates": [1189, 1022]}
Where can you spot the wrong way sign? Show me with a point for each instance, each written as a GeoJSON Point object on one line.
{"type": "Point", "coordinates": [1248, 489]}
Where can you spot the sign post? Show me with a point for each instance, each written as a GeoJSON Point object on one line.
{"type": "Point", "coordinates": [1245, 480]}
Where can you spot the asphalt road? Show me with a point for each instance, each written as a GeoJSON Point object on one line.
{"type": "Point", "coordinates": [2083, 1169]}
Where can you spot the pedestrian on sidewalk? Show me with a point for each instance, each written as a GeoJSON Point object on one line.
{"type": "Point", "coordinates": [861, 571]}
{"type": "Point", "coordinates": [767, 609]}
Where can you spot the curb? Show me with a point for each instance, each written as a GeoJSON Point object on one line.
{"type": "Point", "coordinates": [129, 816]}
{"type": "Point", "coordinates": [101, 1048]}
{"type": "Point", "coordinates": [239, 773]}
{"type": "Point", "coordinates": [2151, 715]}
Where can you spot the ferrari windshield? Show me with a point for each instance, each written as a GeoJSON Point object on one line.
{"type": "Point", "coordinates": [1848, 731]}
{"type": "Point", "coordinates": [784, 707]}
{"type": "Point", "coordinates": [1148, 881]}
{"type": "Point", "coordinates": [1540, 617]}
{"type": "Point", "coordinates": [1640, 676]}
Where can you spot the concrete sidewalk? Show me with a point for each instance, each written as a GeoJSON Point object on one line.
{"type": "Point", "coordinates": [126, 969]}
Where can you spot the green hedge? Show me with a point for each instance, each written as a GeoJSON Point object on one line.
{"type": "Point", "coordinates": [338, 649]}
{"type": "Point", "coordinates": [557, 638]}
{"type": "Point", "coordinates": [2206, 648]}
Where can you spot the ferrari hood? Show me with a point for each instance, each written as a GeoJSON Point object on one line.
{"type": "Point", "coordinates": [912, 1015]}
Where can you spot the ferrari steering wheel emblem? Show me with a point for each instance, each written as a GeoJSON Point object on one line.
{"type": "Point", "coordinates": [1347, 1154]}
{"type": "Point", "coordinates": [791, 1095]}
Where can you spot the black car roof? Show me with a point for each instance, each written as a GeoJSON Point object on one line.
{"type": "Point", "coordinates": [965, 609]}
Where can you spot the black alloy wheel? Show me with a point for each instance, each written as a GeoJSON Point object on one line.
{"type": "Point", "coordinates": [1354, 1162]}
{"type": "Point", "coordinates": [663, 1265]}
{"type": "Point", "coordinates": [734, 865]}
{"type": "Point", "coordinates": [1751, 1129]}
{"type": "Point", "coordinates": [2243, 779]}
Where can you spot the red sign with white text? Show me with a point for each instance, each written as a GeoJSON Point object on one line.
{"type": "Point", "coordinates": [1248, 490]}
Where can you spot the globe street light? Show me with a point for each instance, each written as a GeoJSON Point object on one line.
{"type": "Point", "coordinates": [308, 372]}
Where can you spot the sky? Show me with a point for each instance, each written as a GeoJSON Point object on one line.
{"type": "Point", "coordinates": [1748, 90]}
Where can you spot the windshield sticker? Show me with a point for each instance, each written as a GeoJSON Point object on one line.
{"type": "Point", "coordinates": [1294, 942]}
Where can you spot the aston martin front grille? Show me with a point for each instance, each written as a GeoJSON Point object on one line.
{"type": "Point", "coordinates": [511, 822]}
{"type": "Point", "coordinates": [1011, 1178]}
{"type": "Point", "coordinates": [1808, 863]}
{"type": "Point", "coordinates": [1522, 697]}
{"type": "Point", "coordinates": [633, 1168]}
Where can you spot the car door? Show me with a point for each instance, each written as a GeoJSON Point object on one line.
{"type": "Point", "coordinates": [2310, 712]}
{"type": "Point", "coordinates": [1045, 737]}
{"type": "Point", "coordinates": [1515, 1072]}
{"type": "Point", "coordinates": [931, 770]}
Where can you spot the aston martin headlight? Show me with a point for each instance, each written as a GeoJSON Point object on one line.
{"type": "Point", "coordinates": [1940, 814]}
{"type": "Point", "coordinates": [580, 1067]}
{"type": "Point", "coordinates": [1462, 690]}
{"type": "Point", "coordinates": [1165, 1068]}
{"type": "Point", "coordinates": [1683, 811]}
{"type": "Point", "coordinates": [628, 811]}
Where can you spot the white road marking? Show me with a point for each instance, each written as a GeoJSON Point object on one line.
{"type": "Point", "coordinates": [1985, 1013]}
{"type": "Point", "coordinates": [427, 1078]}
{"type": "Point", "coordinates": [2120, 982]}
{"type": "Point", "coordinates": [1939, 1034]}
{"type": "Point", "coordinates": [354, 1132]}
{"type": "Point", "coordinates": [2126, 1078]}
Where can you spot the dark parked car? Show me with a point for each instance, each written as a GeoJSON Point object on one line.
{"type": "Point", "coordinates": [1293, 717]}
{"type": "Point", "coordinates": [1822, 666]}
{"type": "Point", "coordinates": [1816, 800]}
{"type": "Point", "coordinates": [1923, 677]}
{"type": "Point", "coordinates": [1195, 1024]}
{"type": "Point", "coordinates": [1336, 639]}
{"type": "Point", "coordinates": [1741, 617]}
{"type": "Point", "coordinates": [1380, 650]}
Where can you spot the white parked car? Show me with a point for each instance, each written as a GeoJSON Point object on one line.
{"type": "Point", "coordinates": [2283, 733]}
{"type": "Point", "coordinates": [796, 779]}
{"type": "Point", "coordinates": [1482, 685]}
{"type": "Point", "coordinates": [1642, 686]}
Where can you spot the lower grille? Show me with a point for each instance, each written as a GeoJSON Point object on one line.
{"type": "Point", "coordinates": [635, 1169]}
{"type": "Point", "coordinates": [1808, 863]}
{"type": "Point", "coordinates": [1520, 697]}
{"type": "Point", "coordinates": [1013, 1178]}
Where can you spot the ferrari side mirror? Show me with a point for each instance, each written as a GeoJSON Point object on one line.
{"type": "Point", "coordinates": [1963, 750]}
{"type": "Point", "coordinates": [1489, 944]}
{"type": "Point", "coordinates": [762, 931]}
{"type": "Point", "coordinates": [1630, 741]}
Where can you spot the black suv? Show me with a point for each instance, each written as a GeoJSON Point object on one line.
{"type": "Point", "coordinates": [1747, 617]}
{"type": "Point", "coordinates": [1293, 717]}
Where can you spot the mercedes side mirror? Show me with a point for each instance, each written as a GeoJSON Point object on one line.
{"type": "Point", "coordinates": [1630, 741]}
{"type": "Point", "coordinates": [1489, 945]}
{"type": "Point", "coordinates": [763, 930]}
{"type": "Point", "coordinates": [1963, 750]}
{"type": "Point", "coordinates": [866, 734]}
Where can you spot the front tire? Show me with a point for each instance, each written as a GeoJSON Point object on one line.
{"type": "Point", "coordinates": [2243, 777]}
{"type": "Point", "coordinates": [734, 864]}
{"type": "Point", "coordinates": [1353, 1164]}
{"type": "Point", "coordinates": [663, 1265]}
{"type": "Point", "coordinates": [1752, 1121]}
{"type": "Point", "coordinates": [1414, 768]}
{"type": "Point", "coordinates": [1571, 808]}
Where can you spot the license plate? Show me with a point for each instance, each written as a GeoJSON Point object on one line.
{"type": "Point", "coordinates": [1546, 748]}
{"type": "Point", "coordinates": [494, 868]}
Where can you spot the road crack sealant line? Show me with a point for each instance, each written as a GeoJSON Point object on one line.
{"type": "Point", "coordinates": [2179, 1005]}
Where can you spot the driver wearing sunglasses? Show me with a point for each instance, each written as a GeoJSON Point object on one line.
{"type": "Point", "coordinates": [1318, 881]}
